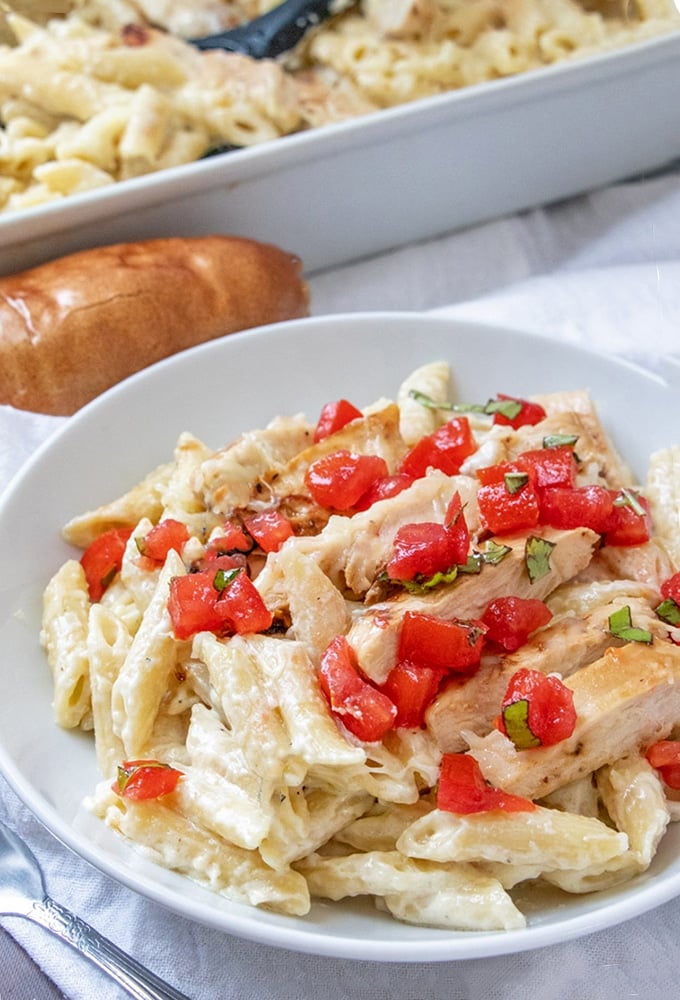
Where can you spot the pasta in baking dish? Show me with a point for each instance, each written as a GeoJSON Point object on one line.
{"type": "Point", "coordinates": [424, 652]}
{"type": "Point", "coordinates": [121, 94]}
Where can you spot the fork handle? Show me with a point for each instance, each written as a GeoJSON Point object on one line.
{"type": "Point", "coordinates": [128, 973]}
{"type": "Point", "coordinates": [275, 32]}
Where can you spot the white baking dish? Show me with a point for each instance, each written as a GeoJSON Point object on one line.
{"type": "Point", "coordinates": [345, 191]}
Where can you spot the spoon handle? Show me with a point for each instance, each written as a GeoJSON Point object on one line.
{"type": "Point", "coordinates": [128, 973]}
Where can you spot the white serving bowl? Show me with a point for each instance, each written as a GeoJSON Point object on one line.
{"type": "Point", "coordinates": [216, 391]}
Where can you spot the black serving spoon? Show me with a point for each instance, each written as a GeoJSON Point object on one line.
{"type": "Point", "coordinates": [277, 31]}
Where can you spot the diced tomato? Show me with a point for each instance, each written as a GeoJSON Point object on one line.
{"type": "Point", "coordinates": [577, 507]}
{"type": "Point", "coordinates": [411, 688]}
{"type": "Point", "coordinates": [463, 790]}
{"type": "Point", "coordinates": [626, 526]}
{"type": "Point", "coordinates": [334, 416]}
{"type": "Point", "coordinates": [169, 534]}
{"type": "Point", "coordinates": [216, 600]}
{"type": "Point", "coordinates": [444, 645]}
{"type": "Point", "coordinates": [270, 529]}
{"type": "Point", "coordinates": [529, 413]}
{"type": "Point", "coordinates": [145, 779]}
{"type": "Point", "coordinates": [423, 550]}
{"type": "Point", "coordinates": [537, 710]}
{"type": "Point", "coordinates": [549, 466]}
{"type": "Point", "coordinates": [445, 449]}
{"type": "Point", "coordinates": [367, 712]}
{"type": "Point", "coordinates": [511, 620]}
{"type": "Point", "coordinates": [670, 588]}
{"type": "Point", "coordinates": [384, 489]}
{"type": "Point", "coordinates": [102, 559]}
{"type": "Point", "coordinates": [490, 474]}
{"type": "Point", "coordinates": [338, 480]}
{"type": "Point", "coordinates": [503, 511]}
{"type": "Point", "coordinates": [232, 539]}
{"type": "Point", "coordinates": [456, 525]}
{"type": "Point", "coordinates": [665, 757]}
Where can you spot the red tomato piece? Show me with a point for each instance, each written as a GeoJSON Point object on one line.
{"type": "Point", "coordinates": [503, 512]}
{"type": "Point", "coordinates": [445, 449]}
{"type": "Point", "coordinates": [511, 620]}
{"type": "Point", "coordinates": [444, 645]}
{"type": "Point", "coordinates": [665, 757]}
{"type": "Point", "coordinates": [529, 413]}
{"type": "Point", "coordinates": [338, 480]}
{"type": "Point", "coordinates": [423, 550]}
{"type": "Point", "coordinates": [577, 507]}
{"type": "Point", "coordinates": [364, 710]}
{"type": "Point", "coordinates": [670, 588]}
{"type": "Point", "coordinates": [384, 489]}
{"type": "Point", "coordinates": [165, 536]}
{"type": "Point", "coordinates": [102, 559]}
{"type": "Point", "coordinates": [457, 527]}
{"type": "Point", "coordinates": [270, 529]}
{"type": "Point", "coordinates": [463, 790]}
{"type": "Point", "coordinates": [549, 466]}
{"type": "Point", "coordinates": [412, 689]}
{"type": "Point", "coordinates": [216, 600]}
{"type": "Point", "coordinates": [491, 474]}
{"type": "Point", "coordinates": [233, 539]}
{"type": "Point", "coordinates": [537, 710]}
{"type": "Point", "coordinates": [141, 780]}
{"type": "Point", "coordinates": [626, 526]}
{"type": "Point", "coordinates": [334, 416]}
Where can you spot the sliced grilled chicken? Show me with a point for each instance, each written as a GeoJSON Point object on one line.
{"type": "Point", "coordinates": [374, 632]}
{"type": "Point", "coordinates": [352, 551]}
{"type": "Point", "coordinates": [377, 433]}
{"type": "Point", "coordinates": [625, 701]}
{"type": "Point", "coordinates": [565, 645]}
{"type": "Point", "coordinates": [225, 480]}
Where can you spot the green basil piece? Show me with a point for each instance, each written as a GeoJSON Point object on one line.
{"type": "Point", "coordinates": [668, 611]}
{"type": "Point", "coordinates": [621, 627]}
{"type": "Point", "coordinates": [516, 722]}
{"type": "Point", "coordinates": [537, 552]}
{"type": "Point", "coordinates": [515, 481]}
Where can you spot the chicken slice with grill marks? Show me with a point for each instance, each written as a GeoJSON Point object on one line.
{"type": "Point", "coordinates": [571, 414]}
{"type": "Point", "coordinates": [376, 433]}
{"type": "Point", "coordinates": [624, 701]}
{"type": "Point", "coordinates": [374, 632]}
{"type": "Point", "coordinates": [648, 564]}
{"type": "Point", "coordinates": [225, 480]}
{"type": "Point", "coordinates": [470, 704]}
{"type": "Point", "coordinates": [351, 551]}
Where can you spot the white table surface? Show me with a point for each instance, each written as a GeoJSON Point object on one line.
{"type": "Point", "coordinates": [602, 269]}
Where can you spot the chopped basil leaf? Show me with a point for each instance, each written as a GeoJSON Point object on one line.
{"type": "Point", "coordinates": [493, 552]}
{"type": "Point", "coordinates": [223, 577]}
{"type": "Point", "coordinates": [557, 440]}
{"type": "Point", "coordinates": [628, 498]}
{"type": "Point", "coordinates": [509, 408]}
{"type": "Point", "coordinates": [472, 565]}
{"type": "Point", "coordinates": [435, 404]}
{"type": "Point", "coordinates": [515, 481]}
{"type": "Point", "coordinates": [668, 611]}
{"type": "Point", "coordinates": [421, 583]}
{"type": "Point", "coordinates": [537, 552]}
{"type": "Point", "coordinates": [621, 626]}
{"type": "Point", "coordinates": [516, 722]}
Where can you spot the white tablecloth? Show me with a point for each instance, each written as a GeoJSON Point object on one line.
{"type": "Point", "coordinates": [602, 269]}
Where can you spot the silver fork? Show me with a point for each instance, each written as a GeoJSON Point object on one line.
{"type": "Point", "coordinates": [22, 894]}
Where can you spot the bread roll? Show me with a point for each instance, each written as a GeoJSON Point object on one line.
{"type": "Point", "coordinates": [73, 327]}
